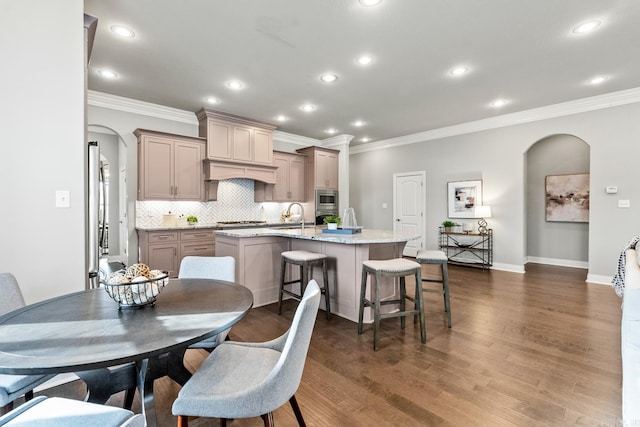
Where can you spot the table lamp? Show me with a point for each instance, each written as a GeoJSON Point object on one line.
{"type": "Point", "coordinates": [482, 212]}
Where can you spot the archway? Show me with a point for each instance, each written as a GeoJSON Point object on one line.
{"type": "Point", "coordinates": [115, 201]}
{"type": "Point", "coordinates": [548, 240]}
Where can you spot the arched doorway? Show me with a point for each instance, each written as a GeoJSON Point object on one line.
{"type": "Point", "coordinates": [564, 243]}
{"type": "Point", "coordinates": [114, 213]}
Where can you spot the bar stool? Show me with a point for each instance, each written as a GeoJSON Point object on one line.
{"type": "Point", "coordinates": [438, 258]}
{"type": "Point", "coordinates": [306, 260]}
{"type": "Point", "coordinates": [398, 267]}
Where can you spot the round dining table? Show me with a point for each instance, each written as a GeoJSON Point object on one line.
{"type": "Point", "coordinates": [88, 333]}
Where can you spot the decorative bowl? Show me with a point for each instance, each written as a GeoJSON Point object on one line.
{"type": "Point", "coordinates": [136, 291]}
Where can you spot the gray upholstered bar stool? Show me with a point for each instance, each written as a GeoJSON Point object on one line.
{"type": "Point", "coordinates": [398, 267]}
{"type": "Point", "coordinates": [306, 260]}
{"type": "Point", "coordinates": [438, 258]}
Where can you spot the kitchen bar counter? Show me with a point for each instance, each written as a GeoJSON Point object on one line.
{"type": "Point", "coordinates": [366, 236]}
{"type": "Point", "coordinates": [257, 253]}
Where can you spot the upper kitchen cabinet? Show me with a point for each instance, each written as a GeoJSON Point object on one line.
{"type": "Point", "coordinates": [322, 167]}
{"type": "Point", "coordinates": [169, 166]}
{"type": "Point", "coordinates": [236, 139]}
{"type": "Point", "coordinates": [290, 177]}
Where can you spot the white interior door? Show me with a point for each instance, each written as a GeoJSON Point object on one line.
{"type": "Point", "coordinates": [122, 220]}
{"type": "Point", "coordinates": [409, 207]}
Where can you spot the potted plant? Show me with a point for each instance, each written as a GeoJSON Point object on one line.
{"type": "Point", "coordinates": [332, 222]}
{"type": "Point", "coordinates": [192, 219]}
{"type": "Point", "coordinates": [447, 225]}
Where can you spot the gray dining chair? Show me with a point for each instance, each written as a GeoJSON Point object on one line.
{"type": "Point", "coordinates": [244, 380]}
{"type": "Point", "coordinates": [14, 386]}
{"type": "Point", "coordinates": [206, 267]}
{"type": "Point", "coordinates": [62, 412]}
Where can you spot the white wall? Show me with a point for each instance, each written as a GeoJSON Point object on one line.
{"type": "Point", "coordinates": [497, 156]}
{"type": "Point", "coordinates": [42, 149]}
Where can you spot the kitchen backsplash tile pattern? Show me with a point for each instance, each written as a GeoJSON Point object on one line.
{"type": "Point", "coordinates": [235, 203]}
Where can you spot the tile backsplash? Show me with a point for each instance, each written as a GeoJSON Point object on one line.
{"type": "Point", "coordinates": [235, 203]}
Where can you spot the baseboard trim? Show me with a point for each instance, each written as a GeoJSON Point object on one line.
{"type": "Point", "coordinates": [599, 279]}
{"type": "Point", "coordinates": [56, 381]}
{"type": "Point", "coordinates": [514, 268]}
{"type": "Point", "coordinates": [558, 262]}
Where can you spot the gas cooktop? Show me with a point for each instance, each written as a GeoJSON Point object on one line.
{"type": "Point", "coordinates": [224, 223]}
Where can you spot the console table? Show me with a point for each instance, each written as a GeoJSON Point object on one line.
{"type": "Point", "coordinates": [470, 249]}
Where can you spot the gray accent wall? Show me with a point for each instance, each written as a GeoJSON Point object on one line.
{"type": "Point", "coordinates": [498, 157]}
{"type": "Point", "coordinates": [554, 242]}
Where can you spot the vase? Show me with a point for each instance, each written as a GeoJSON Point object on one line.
{"type": "Point", "coordinates": [332, 226]}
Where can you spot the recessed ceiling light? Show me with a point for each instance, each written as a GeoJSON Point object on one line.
{"type": "Point", "coordinates": [328, 78]}
{"type": "Point", "coordinates": [212, 100]}
{"type": "Point", "coordinates": [364, 59]}
{"type": "Point", "coordinates": [358, 123]}
{"type": "Point", "coordinates": [234, 84]}
{"type": "Point", "coordinates": [365, 139]}
{"type": "Point", "coordinates": [459, 71]}
{"type": "Point", "coordinates": [331, 131]}
{"type": "Point", "coordinates": [108, 74]}
{"type": "Point", "coordinates": [586, 27]}
{"type": "Point", "coordinates": [308, 108]}
{"type": "Point", "coordinates": [122, 31]}
{"type": "Point", "coordinates": [281, 118]}
{"type": "Point", "coordinates": [498, 103]}
{"type": "Point", "coordinates": [597, 80]}
{"type": "Point", "coordinates": [369, 3]}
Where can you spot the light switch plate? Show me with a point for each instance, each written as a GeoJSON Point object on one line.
{"type": "Point", "coordinates": [62, 199]}
{"type": "Point", "coordinates": [612, 189]}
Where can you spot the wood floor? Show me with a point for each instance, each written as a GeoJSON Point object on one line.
{"type": "Point", "coordinates": [541, 348]}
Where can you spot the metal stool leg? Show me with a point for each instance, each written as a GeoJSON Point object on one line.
{"type": "Point", "coordinates": [445, 291]}
{"type": "Point", "coordinates": [327, 298]}
{"type": "Point", "coordinates": [420, 304]}
{"type": "Point", "coordinates": [283, 267]}
{"type": "Point", "coordinates": [403, 295]}
{"type": "Point", "coordinates": [363, 290]}
{"type": "Point", "coordinates": [376, 314]}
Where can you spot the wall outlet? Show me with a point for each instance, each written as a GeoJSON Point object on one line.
{"type": "Point", "coordinates": [62, 199]}
{"type": "Point", "coordinates": [624, 203]}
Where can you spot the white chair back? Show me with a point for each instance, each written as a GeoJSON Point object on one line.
{"type": "Point", "coordinates": [204, 267]}
{"type": "Point", "coordinates": [11, 295]}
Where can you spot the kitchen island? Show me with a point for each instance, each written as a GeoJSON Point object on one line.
{"type": "Point", "coordinates": [257, 252]}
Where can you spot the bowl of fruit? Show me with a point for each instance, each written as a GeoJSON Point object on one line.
{"type": "Point", "coordinates": [135, 286]}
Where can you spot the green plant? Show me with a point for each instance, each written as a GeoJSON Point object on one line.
{"type": "Point", "coordinates": [449, 224]}
{"type": "Point", "coordinates": [192, 218]}
{"type": "Point", "coordinates": [332, 219]}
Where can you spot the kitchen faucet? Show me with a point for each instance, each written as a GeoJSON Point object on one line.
{"type": "Point", "coordinates": [301, 213]}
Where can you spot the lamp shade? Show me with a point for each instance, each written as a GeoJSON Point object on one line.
{"type": "Point", "coordinates": [482, 212]}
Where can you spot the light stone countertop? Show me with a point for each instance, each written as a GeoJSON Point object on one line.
{"type": "Point", "coordinates": [217, 226]}
{"type": "Point", "coordinates": [366, 236]}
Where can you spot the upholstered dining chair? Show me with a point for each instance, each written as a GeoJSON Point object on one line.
{"type": "Point", "coordinates": [243, 380]}
{"type": "Point", "coordinates": [14, 386]}
{"type": "Point", "coordinates": [209, 267]}
{"type": "Point", "coordinates": [62, 412]}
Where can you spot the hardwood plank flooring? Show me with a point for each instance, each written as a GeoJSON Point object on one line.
{"type": "Point", "coordinates": [541, 348]}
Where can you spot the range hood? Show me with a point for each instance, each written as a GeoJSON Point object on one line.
{"type": "Point", "coordinates": [217, 170]}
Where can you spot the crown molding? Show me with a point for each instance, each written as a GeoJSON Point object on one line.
{"type": "Point", "coordinates": [290, 138]}
{"type": "Point", "coordinates": [337, 141]}
{"type": "Point", "coordinates": [119, 103]}
{"type": "Point", "coordinates": [613, 99]}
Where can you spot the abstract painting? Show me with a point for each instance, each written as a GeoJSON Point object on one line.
{"type": "Point", "coordinates": [567, 197]}
{"type": "Point", "coordinates": [463, 197]}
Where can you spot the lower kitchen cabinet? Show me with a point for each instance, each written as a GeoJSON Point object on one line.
{"type": "Point", "coordinates": [164, 250]}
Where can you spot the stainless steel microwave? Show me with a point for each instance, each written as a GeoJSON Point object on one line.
{"type": "Point", "coordinates": [326, 202]}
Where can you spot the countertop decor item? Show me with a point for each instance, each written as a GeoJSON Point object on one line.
{"type": "Point", "coordinates": [135, 286]}
{"type": "Point", "coordinates": [192, 219]}
{"type": "Point", "coordinates": [332, 222]}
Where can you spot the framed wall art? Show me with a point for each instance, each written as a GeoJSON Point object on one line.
{"type": "Point", "coordinates": [463, 197]}
{"type": "Point", "coordinates": [567, 198]}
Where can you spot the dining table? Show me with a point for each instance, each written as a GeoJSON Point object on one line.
{"type": "Point", "coordinates": [115, 348]}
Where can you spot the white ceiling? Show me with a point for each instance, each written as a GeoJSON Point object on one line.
{"type": "Point", "coordinates": [522, 51]}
